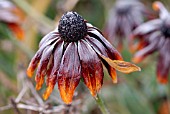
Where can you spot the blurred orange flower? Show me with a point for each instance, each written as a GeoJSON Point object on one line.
{"type": "Point", "coordinates": [13, 17]}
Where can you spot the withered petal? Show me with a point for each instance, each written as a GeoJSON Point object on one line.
{"type": "Point", "coordinates": [122, 66]}
{"type": "Point", "coordinates": [34, 62]}
{"type": "Point", "coordinates": [42, 68]}
{"type": "Point", "coordinates": [140, 55]}
{"type": "Point", "coordinates": [112, 51]}
{"type": "Point", "coordinates": [92, 70]}
{"type": "Point", "coordinates": [58, 53]}
{"type": "Point", "coordinates": [53, 69]}
{"type": "Point", "coordinates": [163, 66]}
{"type": "Point", "coordinates": [49, 37]}
{"type": "Point", "coordinates": [147, 27]}
{"type": "Point", "coordinates": [100, 49]}
{"type": "Point", "coordinates": [69, 73]}
{"type": "Point", "coordinates": [162, 70]}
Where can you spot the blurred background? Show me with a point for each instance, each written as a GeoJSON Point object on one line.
{"type": "Point", "coordinates": [135, 93]}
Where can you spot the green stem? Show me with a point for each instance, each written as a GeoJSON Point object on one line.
{"type": "Point", "coordinates": [101, 105]}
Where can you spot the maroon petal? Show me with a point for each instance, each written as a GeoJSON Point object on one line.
{"type": "Point", "coordinates": [34, 62]}
{"type": "Point", "coordinates": [163, 66]}
{"type": "Point", "coordinates": [58, 53]}
{"type": "Point", "coordinates": [100, 49]}
{"type": "Point", "coordinates": [69, 73]}
{"type": "Point", "coordinates": [92, 70]}
{"type": "Point", "coordinates": [50, 36]}
{"type": "Point", "coordinates": [111, 50]}
{"type": "Point", "coordinates": [53, 70]}
{"type": "Point", "coordinates": [42, 68]}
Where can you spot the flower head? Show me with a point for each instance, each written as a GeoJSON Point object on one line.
{"type": "Point", "coordinates": [73, 51]}
{"type": "Point", "coordinates": [125, 16]}
{"type": "Point", "coordinates": [156, 35]}
{"type": "Point", "coordinates": [12, 16]}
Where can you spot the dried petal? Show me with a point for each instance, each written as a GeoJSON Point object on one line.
{"type": "Point", "coordinates": [163, 66]}
{"type": "Point", "coordinates": [42, 68]}
{"type": "Point", "coordinates": [50, 36]}
{"type": "Point", "coordinates": [52, 77]}
{"type": "Point", "coordinates": [121, 66]}
{"type": "Point", "coordinates": [148, 27]}
{"type": "Point", "coordinates": [111, 50]}
{"type": "Point", "coordinates": [100, 49]}
{"type": "Point", "coordinates": [140, 55]}
{"type": "Point", "coordinates": [92, 70]}
{"type": "Point", "coordinates": [69, 73]}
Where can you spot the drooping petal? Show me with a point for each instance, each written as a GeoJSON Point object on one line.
{"type": "Point", "coordinates": [100, 49]}
{"type": "Point", "coordinates": [42, 68]}
{"type": "Point", "coordinates": [52, 75]}
{"type": "Point", "coordinates": [48, 37]}
{"type": "Point", "coordinates": [17, 30]}
{"type": "Point", "coordinates": [163, 66]}
{"type": "Point", "coordinates": [111, 50]}
{"type": "Point", "coordinates": [58, 53]}
{"type": "Point", "coordinates": [148, 27]}
{"type": "Point", "coordinates": [158, 6]}
{"type": "Point", "coordinates": [92, 70]}
{"type": "Point", "coordinates": [69, 73]}
{"type": "Point", "coordinates": [140, 55]}
{"type": "Point", "coordinates": [34, 62]}
{"type": "Point", "coordinates": [121, 66]}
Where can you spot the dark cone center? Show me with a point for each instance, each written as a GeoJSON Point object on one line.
{"type": "Point", "coordinates": [166, 31]}
{"type": "Point", "coordinates": [72, 27]}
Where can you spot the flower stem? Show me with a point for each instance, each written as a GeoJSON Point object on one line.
{"type": "Point", "coordinates": [101, 104]}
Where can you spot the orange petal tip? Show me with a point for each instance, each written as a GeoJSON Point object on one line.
{"type": "Point", "coordinates": [156, 5]}
{"type": "Point", "coordinates": [48, 91]}
{"type": "Point", "coordinates": [162, 80]}
{"type": "Point", "coordinates": [29, 72]}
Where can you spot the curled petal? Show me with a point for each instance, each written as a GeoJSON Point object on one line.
{"type": "Point", "coordinates": [92, 70]}
{"type": "Point", "coordinates": [42, 68]}
{"type": "Point", "coordinates": [69, 73]}
{"type": "Point", "coordinates": [121, 66]}
{"type": "Point", "coordinates": [112, 51]}
{"type": "Point", "coordinates": [100, 49]}
{"type": "Point", "coordinates": [18, 31]}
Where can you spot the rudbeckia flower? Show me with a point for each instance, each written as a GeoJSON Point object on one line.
{"type": "Point", "coordinates": [75, 50]}
{"type": "Point", "coordinates": [156, 34]}
{"type": "Point", "coordinates": [124, 17]}
{"type": "Point", "coordinates": [12, 16]}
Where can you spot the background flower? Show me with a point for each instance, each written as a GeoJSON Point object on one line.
{"type": "Point", "coordinates": [12, 16]}
{"type": "Point", "coordinates": [157, 34]}
{"type": "Point", "coordinates": [124, 17]}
